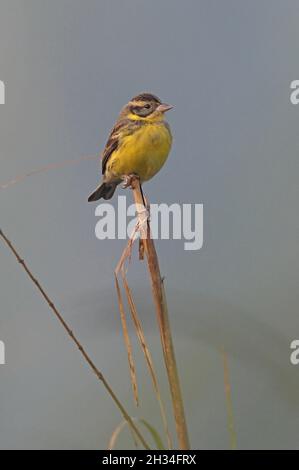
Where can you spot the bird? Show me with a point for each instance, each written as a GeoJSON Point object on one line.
{"type": "Point", "coordinates": [138, 145]}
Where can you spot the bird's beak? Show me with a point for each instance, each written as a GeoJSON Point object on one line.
{"type": "Point", "coordinates": [162, 108]}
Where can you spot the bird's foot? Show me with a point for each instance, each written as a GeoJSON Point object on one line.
{"type": "Point", "coordinates": [128, 180]}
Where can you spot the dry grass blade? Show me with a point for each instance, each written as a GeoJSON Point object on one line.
{"type": "Point", "coordinates": [153, 432]}
{"type": "Point", "coordinates": [147, 355]}
{"type": "Point", "coordinates": [127, 342]}
{"type": "Point", "coordinates": [229, 405]}
{"type": "Point", "coordinates": [126, 255]}
{"type": "Point", "coordinates": [86, 357]}
{"type": "Point", "coordinates": [115, 434]}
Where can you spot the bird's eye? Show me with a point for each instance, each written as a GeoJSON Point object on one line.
{"type": "Point", "coordinates": [147, 106]}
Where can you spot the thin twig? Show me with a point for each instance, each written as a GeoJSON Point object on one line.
{"type": "Point", "coordinates": [76, 341]}
{"type": "Point", "coordinates": [229, 403]}
{"type": "Point", "coordinates": [43, 169]}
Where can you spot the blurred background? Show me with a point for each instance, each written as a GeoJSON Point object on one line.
{"type": "Point", "coordinates": [68, 67]}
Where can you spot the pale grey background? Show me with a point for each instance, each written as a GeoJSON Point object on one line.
{"type": "Point", "coordinates": [226, 66]}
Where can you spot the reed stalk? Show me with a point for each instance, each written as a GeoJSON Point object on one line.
{"type": "Point", "coordinates": [158, 292]}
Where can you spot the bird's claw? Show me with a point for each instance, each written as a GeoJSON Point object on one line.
{"type": "Point", "coordinates": [128, 179]}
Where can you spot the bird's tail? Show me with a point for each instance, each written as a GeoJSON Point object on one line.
{"type": "Point", "coordinates": [104, 190]}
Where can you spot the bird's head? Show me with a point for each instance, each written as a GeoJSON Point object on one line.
{"type": "Point", "coordinates": [146, 107]}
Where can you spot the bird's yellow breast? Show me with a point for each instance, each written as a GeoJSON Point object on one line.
{"type": "Point", "coordinates": [143, 152]}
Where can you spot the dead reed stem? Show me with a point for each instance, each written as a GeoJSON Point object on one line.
{"type": "Point", "coordinates": [76, 341]}
{"type": "Point", "coordinates": [229, 404]}
{"type": "Point", "coordinates": [159, 296]}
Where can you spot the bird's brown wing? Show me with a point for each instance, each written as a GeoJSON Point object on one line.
{"type": "Point", "coordinates": [121, 128]}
